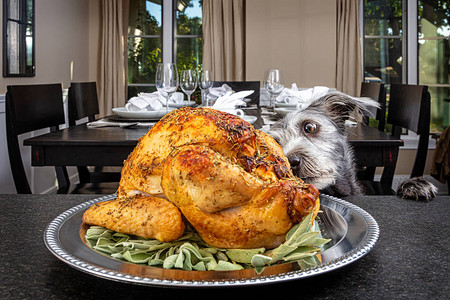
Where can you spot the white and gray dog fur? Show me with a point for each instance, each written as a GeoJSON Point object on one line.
{"type": "Point", "coordinates": [313, 139]}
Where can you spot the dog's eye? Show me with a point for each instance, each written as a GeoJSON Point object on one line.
{"type": "Point", "coordinates": [310, 127]}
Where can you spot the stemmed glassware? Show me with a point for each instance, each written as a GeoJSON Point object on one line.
{"type": "Point", "coordinates": [188, 82]}
{"type": "Point", "coordinates": [166, 80]}
{"type": "Point", "coordinates": [274, 84]}
{"type": "Point", "coordinates": [205, 83]}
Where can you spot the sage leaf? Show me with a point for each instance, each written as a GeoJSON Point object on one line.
{"type": "Point", "coordinates": [259, 260]}
{"type": "Point", "coordinates": [227, 266]}
{"type": "Point", "coordinates": [169, 262]}
{"type": "Point", "coordinates": [243, 255]}
{"type": "Point", "coordinates": [137, 258]}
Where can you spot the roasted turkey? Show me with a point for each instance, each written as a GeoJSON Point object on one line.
{"type": "Point", "coordinates": [231, 182]}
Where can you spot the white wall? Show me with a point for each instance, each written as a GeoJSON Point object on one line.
{"type": "Point", "coordinates": [296, 36]}
{"type": "Point", "coordinates": [6, 182]}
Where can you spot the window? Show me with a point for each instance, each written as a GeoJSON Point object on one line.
{"type": "Point", "coordinates": [408, 42]}
{"type": "Point", "coordinates": [434, 58]}
{"type": "Point", "coordinates": [188, 47]}
{"type": "Point", "coordinates": [152, 38]}
{"type": "Point", "coordinates": [383, 42]}
{"type": "Point", "coordinates": [18, 38]}
{"type": "Point", "coordinates": [144, 45]}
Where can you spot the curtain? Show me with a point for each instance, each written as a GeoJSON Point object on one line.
{"type": "Point", "coordinates": [113, 55]}
{"type": "Point", "coordinates": [224, 39]}
{"type": "Point", "coordinates": [348, 50]}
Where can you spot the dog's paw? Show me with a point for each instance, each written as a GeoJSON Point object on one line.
{"type": "Point", "coordinates": [417, 189]}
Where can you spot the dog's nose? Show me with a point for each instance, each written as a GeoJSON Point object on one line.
{"type": "Point", "coordinates": [294, 161]}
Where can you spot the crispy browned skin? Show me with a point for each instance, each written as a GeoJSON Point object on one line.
{"type": "Point", "coordinates": [230, 181]}
{"type": "Point", "coordinates": [144, 216]}
{"type": "Point", "coordinates": [228, 206]}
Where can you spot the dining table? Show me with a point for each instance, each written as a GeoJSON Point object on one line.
{"type": "Point", "coordinates": [82, 145]}
{"type": "Point", "coordinates": [409, 258]}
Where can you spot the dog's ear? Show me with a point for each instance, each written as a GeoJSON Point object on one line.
{"type": "Point", "coordinates": [339, 107]}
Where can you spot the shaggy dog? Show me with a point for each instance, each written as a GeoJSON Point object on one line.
{"type": "Point", "coordinates": [313, 139]}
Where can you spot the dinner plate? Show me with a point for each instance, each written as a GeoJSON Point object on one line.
{"type": "Point", "coordinates": [353, 233]}
{"type": "Point", "coordinates": [148, 114]}
{"type": "Point", "coordinates": [288, 105]}
{"type": "Point", "coordinates": [116, 118]}
{"type": "Point", "coordinates": [182, 104]}
{"type": "Point", "coordinates": [283, 110]}
{"type": "Point", "coordinates": [250, 119]}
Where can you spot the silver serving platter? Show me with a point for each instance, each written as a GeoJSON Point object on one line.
{"type": "Point", "coordinates": [353, 233]}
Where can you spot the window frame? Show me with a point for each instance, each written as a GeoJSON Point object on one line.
{"type": "Point", "coordinates": [168, 36]}
{"type": "Point", "coordinates": [22, 55]}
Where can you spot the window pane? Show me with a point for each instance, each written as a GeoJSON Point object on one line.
{"type": "Point", "coordinates": [143, 56]}
{"type": "Point", "coordinates": [29, 50]}
{"type": "Point", "coordinates": [383, 17]}
{"type": "Point", "coordinates": [189, 53]}
{"type": "Point", "coordinates": [434, 61]}
{"type": "Point", "coordinates": [189, 17]}
{"type": "Point", "coordinates": [383, 59]}
{"type": "Point", "coordinates": [14, 9]}
{"type": "Point", "coordinates": [13, 47]}
{"type": "Point", "coordinates": [145, 18]}
{"type": "Point", "coordinates": [29, 17]}
{"type": "Point", "coordinates": [434, 18]}
{"type": "Point", "coordinates": [434, 65]}
{"type": "Point", "coordinates": [440, 108]}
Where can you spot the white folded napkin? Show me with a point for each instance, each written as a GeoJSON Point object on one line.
{"type": "Point", "coordinates": [232, 100]}
{"type": "Point", "coordinates": [151, 101]}
{"type": "Point", "coordinates": [217, 92]}
{"type": "Point", "coordinates": [301, 97]}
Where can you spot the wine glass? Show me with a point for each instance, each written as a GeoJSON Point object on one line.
{"type": "Point", "coordinates": [188, 82]}
{"type": "Point", "coordinates": [166, 80]}
{"type": "Point", "coordinates": [274, 84]}
{"type": "Point", "coordinates": [205, 84]}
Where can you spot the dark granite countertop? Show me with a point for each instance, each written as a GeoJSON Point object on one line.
{"type": "Point", "coordinates": [409, 261]}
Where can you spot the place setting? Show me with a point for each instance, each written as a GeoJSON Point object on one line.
{"type": "Point", "coordinates": [144, 109]}
{"type": "Point", "coordinates": [283, 100]}
{"type": "Point", "coordinates": [223, 98]}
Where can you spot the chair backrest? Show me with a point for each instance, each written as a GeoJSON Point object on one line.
{"type": "Point", "coordinates": [82, 102]}
{"type": "Point", "coordinates": [376, 91]}
{"type": "Point", "coordinates": [238, 86]}
{"type": "Point", "coordinates": [409, 108]}
{"type": "Point", "coordinates": [29, 108]}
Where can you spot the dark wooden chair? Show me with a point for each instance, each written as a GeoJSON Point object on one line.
{"type": "Point", "coordinates": [238, 86]}
{"type": "Point", "coordinates": [375, 91]}
{"type": "Point", "coordinates": [82, 102]}
{"type": "Point", "coordinates": [409, 108]}
{"type": "Point", "coordinates": [83, 106]}
{"type": "Point", "coordinates": [30, 108]}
